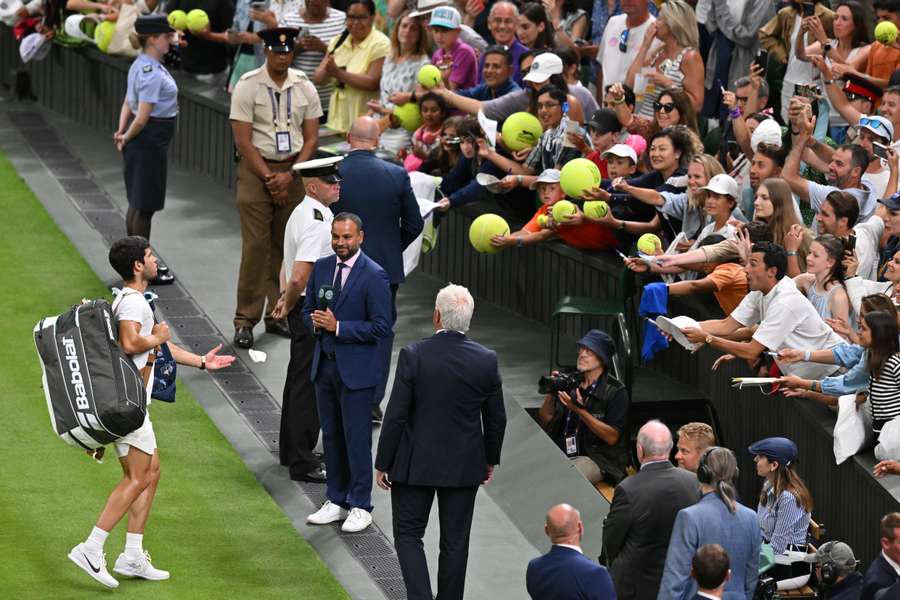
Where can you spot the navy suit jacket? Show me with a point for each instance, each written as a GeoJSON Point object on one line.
{"type": "Point", "coordinates": [363, 310]}
{"type": "Point", "coordinates": [380, 193]}
{"type": "Point", "coordinates": [447, 401]}
{"type": "Point", "coordinates": [710, 522]}
{"type": "Point", "coordinates": [879, 575]}
{"type": "Point", "coordinates": [566, 574]}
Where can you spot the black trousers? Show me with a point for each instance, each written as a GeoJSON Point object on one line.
{"type": "Point", "coordinates": [299, 415]}
{"type": "Point", "coordinates": [411, 505]}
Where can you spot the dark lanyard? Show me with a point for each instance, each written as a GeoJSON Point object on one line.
{"type": "Point", "coordinates": [276, 105]}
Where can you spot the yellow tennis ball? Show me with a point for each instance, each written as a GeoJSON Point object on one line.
{"type": "Point", "coordinates": [596, 209]}
{"type": "Point", "coordinates": [579, 175]}
{"type": "Point", "coordinates": [543, 221]}
{"type": "Point", "coordinates": [483, 229]}
{"type": "Point", "coordinates": [521, 130]}
{"type": "Point", "coordinates": [886, 33]}
{"type": "Point", "coordinates": [648, 243]}
{"type": "Point", "coordinates": [197, 20]}
{"type": "Point", "coordinates": [103, 35]}
{"type": "Point", "coordinates": [178, 20]}
{"type": "Point", "coordinates": [563, 209]}
{"type": "Point", "coordinates": [429, 76]}
{"type": "Point", "coordinates": [409, 116]}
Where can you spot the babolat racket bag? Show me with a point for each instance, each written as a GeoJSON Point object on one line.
{"type": "Point", "coordinates": [95, 394]}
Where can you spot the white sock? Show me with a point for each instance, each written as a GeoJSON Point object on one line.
{"type": "Point", "coordinates": [133, 544]}
{"type": "Point", "coordinates": [94, 542]}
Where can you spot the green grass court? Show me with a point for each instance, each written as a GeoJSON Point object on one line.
{"type": "Point", "coordinates": [213, 526]}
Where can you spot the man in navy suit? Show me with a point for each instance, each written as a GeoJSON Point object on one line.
{"type": "Point", "coordinates": [381, 194]}
{"type": "Point", "coordinates": [884, 570]}
{"type": "Point", "coordinates": [710, 569]}
{"type": "Point", "coordinates": [565, 573]}
{"type": "Point", "coordinates": [348, 306]}
{"type": "Point", "coordinates": [442, 435]}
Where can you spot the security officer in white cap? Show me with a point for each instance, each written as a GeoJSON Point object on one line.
{"type": "Point", "coordinates": [275, 114]}
{"type": "Point", "coordinates": [306, 240]}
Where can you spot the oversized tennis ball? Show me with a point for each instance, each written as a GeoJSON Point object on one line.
{"type": "Point", "coordinates": [483, 229]}
{"type": "Point", "coordinates": [543, 221]}
{"type": "Point", "coordinates": [886, 33]}
{"type": "Point", "coordinates": [579, 175]}
{"type": "Point", "coordinates": [429, 76]}
{"type": "Point", "coordinates": [178, 20]}
{"type": "Point", "coordinates": [562, 210]}
{"type": "Point", "coordinates": [103, 34]}
{"type": "Point", "coordinates": [409, 116]}
{"type": "Point", "coordinates": [596, 209]}
{"type": "Point", "coordinates": [521, 130]}
{"type": "Point", "coordinates": [197, 20]}
{"type": "Point", "coordinates": [648, 243]}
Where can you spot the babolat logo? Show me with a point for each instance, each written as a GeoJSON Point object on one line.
{"type": "Point", "coordinates": [109, 328]}
{"type": "Point", "coordinates": [76, 378]}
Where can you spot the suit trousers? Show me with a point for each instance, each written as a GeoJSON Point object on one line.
{"type": "Point", "coordinates": [262, 242]}
{"type": "Point", "coordinates": [346, 418]}
{"type": "Point", "coordinates": [410, 507]}
{"type": "Point", "coordinates": [386, 348]}
{"type": "Point", "coordinates": [299, 415]}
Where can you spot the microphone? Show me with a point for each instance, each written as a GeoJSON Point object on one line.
{"type": "Point", "coordinates": [324, 297]}
{"type": "Point", "coordinates": [340, 41]}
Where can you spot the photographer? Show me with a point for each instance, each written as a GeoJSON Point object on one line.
{"type": "Point", "coordinates": [585, 412]}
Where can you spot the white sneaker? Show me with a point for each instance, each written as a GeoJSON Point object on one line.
{"type": "Point", "coordinates": [139, 566]}
{"type": "Point", "coordinates": [329, 513]}
{"type": "Point", "coordinates": [357, 520]}
{"type": "Point", "coordinates": [94, 564]}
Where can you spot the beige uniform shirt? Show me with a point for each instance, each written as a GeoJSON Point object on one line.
{"type": "Point", "coordinates": [258, 100]}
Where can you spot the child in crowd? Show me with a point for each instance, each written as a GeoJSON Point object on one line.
{"type": "Point", "coordinates": [455, 58]}
{"type": "Point", "coordinates": [443, 158]}
{"type": "Point", "coordinates": [604, 129]}
{"type": "Point", "coordinates": [428, 136]}
{"type": "Point", "coordinates": [823, 282]}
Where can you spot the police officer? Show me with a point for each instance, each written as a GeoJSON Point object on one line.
{"type": "Point", "coordinates": [275, 114]}
{"type": "Point", "coordinates": [146, 126]}
{"type": "Point", "coordinates": [306, 240]}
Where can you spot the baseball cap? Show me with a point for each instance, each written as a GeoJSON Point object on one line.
{"type": "Point", "coordinates": [604, 121]}
{"type": "Point", "coordinates": [837, 552]}
{"type": "Point", "coordinates": [892, 203]}
{"type": "Point", "coordinates": [424, 7]}
{"type": "Point", "coordinates": [637, 142]}
{"type": "Point", "coordinates": [778, 448]}
{"type": "Point", "coordinates": [878, 125]}
{"type": "Point", "coordinates": [543, 66]}
{"type": "Point", "coordinates": [767, 132]}
{"type": "Point", "coordinates": [623, 151]}
{"type": "Point", "coordinates": [34, 47]}
{"type": "Point", "coordinates": [547, 176]}
{"type": "Point", "coordinates": [600, 344]}
{"type": "Point", "coordinates": [445, 16]}
{"type": "Point", "coordinates": [75, 27]}
{"type": "Point", "coordinates": [722, 184]}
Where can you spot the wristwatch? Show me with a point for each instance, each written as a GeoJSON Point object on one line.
{"type": "Point", "coordinates": [621, 225]}
{"type": "Point", "coordinates": [203, 363]}
{"type": "Point", "coordinates": [826, 47]}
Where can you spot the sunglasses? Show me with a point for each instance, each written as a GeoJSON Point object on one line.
{"type": "Point", "coordinates": [872, 124]}
{"type": "Point", "coordinates": [623, 41]}
{"type": "Point", "coordinates": [666, 107]}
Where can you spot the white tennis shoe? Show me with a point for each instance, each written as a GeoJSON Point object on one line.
{"type": "Point", "coordinates": [94, 564]}
{"type": "Point", "coordinates": [139, 566]}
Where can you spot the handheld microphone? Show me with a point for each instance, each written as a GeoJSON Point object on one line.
{"type": "Point", "coordinates": [340, 41]}
{"type": "Point", "coordinates": [324, 297]}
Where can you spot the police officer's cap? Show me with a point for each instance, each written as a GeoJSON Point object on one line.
{"type": "Point", "coordinates": [152, 25]}
{"type": "Point", "coordinates": [600, 344]}
{"type": "Point", "coordinates": [780, 449]}
{"type": "Point", "coordinates": [279, 39]}
{"type": "Point", "coordinates": [325, 169]}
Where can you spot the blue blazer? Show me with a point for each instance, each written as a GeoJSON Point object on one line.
{"type": "Point", "coordinates": [566, 574]}
{"type": "Point", "coordinates": [363, 311]}
{"type": "Point", "coordinates": [710, 522]}
{"type": "Point", "coordinates": [380, 193]}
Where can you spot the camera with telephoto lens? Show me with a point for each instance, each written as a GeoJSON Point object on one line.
{"type": "Point", "coordinates": [559, 382]}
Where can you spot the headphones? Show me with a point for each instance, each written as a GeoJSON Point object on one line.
{"type": "Point", "coordinates": [704, 473]}
{"type": "Point", "coordinates": [830, 570]}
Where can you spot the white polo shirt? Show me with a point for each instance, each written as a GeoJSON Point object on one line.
{"type": "Point", "coordinates": [788, 320]}
{"type": "Point", "coordinates": [307, 236]}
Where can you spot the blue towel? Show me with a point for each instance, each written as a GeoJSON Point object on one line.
{"type": "Point", "coordinates": [654, 302]}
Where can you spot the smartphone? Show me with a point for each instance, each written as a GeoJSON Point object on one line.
{"type": "Point", "coordinates": [762, 58]}
{"type": "Point", "coordinates": [259, 5]}
{"type": "Point", "coordinates": [807, 91]}
{"type": "Point", "coordinates": [879, 150]}
{"type": "Point", "coordinates": [809, 9]}
{"type": "Point", "coordinates": [851, 243]}
{"type": "Point", "coordinates": [304, 31]}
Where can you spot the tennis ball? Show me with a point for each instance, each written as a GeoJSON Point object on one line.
{"type": "Point", "coordinates": [103, 35]}
{"type": "Point", "coordinates": [579, 175]}
{"type": "Point", "coordinates": [429, 76]}
{"type": "Point", "coordinates": [521, 130]}
{"type": "Point", "coordinates": [596, 209]}
{"type": "Point", "coordinates": [197, 20]}
{"type": "Point", "coordinates": [409, 116]}
{"type": "Point", "coordinates": [562, 210]}
{"type": "Point", "coordinates": [178, 20]}
{"type": "Point", "coordinates": [543, 221]}
{"type": "Point", "coordinates": [886, 33]}
{"type": "Point", "coordinates": [648, 243]}
{"type": "Point", "coordinates": [483, 229]}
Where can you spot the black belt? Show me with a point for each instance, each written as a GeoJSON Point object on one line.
{"type": "Point", "coordinates": [163, 119]}
{"type": "Point", "coordinates": [290, 159]}
{"type": "Point", "coordinates": [328, 355]}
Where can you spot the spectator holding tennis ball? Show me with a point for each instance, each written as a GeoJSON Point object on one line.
{"type": "Point", "coordinates": [207, 53]}
{"type": "Point", "coordinates": [455, 58]}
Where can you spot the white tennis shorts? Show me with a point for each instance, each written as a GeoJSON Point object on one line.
{"type": "Point", "coordinates": [143, 438]}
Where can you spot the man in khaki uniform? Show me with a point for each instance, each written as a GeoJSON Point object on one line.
{"type": "Point", "coordinates": [275, 114]}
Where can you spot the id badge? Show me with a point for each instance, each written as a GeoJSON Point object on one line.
{"type": "Point", "coordinates": [283, 141]}
{"type": "Point", "coordinates": [571, 446]}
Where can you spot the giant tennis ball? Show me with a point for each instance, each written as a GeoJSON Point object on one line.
{"type": "Point", "coordinates": [886, 33]}
{"type": "Point", "coordinates": [579, 175]}
{"type": "Point", "coordinates": [197, 20]}
{"type": "Point", "coordinates": [409, 116]}
{"type": "Point", "coordinates": [429, 76]}
{"type": "Point", "coordinates": [648, 243]}
{"type": "Point", "coordinates": [103, 34]}
{"type": "Point", "coordinates": [596, 209]}
{"type": "Point", "coordinates": [178, 20]}
{"type": "Point", "coordinates": [483, 229]}
{"type": "Point", "coordinates": [562, 210]}
{"type": "Point", "coordinates": [521, 130]}
{"type": "Point", "coordinates": [543, 221]}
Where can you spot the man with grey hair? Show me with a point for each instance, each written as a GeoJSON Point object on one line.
{"type": "Point", "coordinates": [637, 529]}
{"type": "Point", "coordinates": [502, 22]}
{"type": "Point", "coordinates": [447, 401]}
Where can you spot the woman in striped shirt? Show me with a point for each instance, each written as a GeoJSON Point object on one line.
{"type": "Point", "coordinates": [879, 334]}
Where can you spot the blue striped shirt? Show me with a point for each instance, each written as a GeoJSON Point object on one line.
{"type": "Point", "coordinates": [783, 521]}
